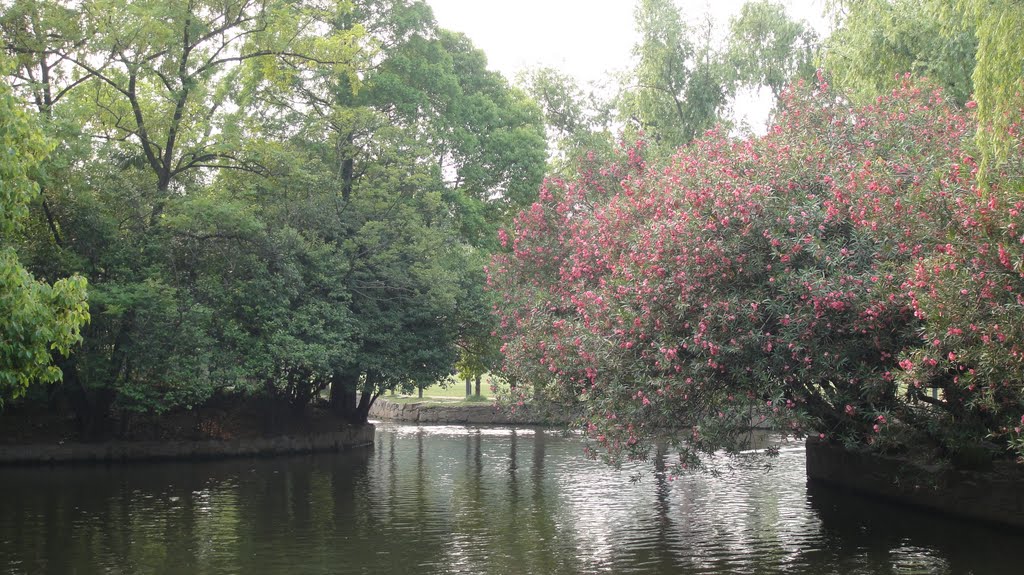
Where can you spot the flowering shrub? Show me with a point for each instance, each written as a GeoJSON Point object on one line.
{"type": "Point", "coordinates": [968, 295]}
{"type": "Point", "coordinates": [785, 279]}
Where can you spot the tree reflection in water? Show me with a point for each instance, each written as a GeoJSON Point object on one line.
{"type": "Point", "coordinates": [455, 499]}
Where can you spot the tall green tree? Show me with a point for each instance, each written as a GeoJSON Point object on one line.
{"type": "Point", "coordinates": [494, 156]}
{"type": "Point", "coordinates": [252, 252]}
{"type": "Point", "coordinates": [972, 49]}
{"type": "Point", "coordinates": [406, 177]}
{"type": "Point", "coordinates": [37, 319]}
{"type": "Point", "coordinates": [150, 97]}
{"type": "Point", "coordinates": [577, 123]}
{"type": "Point", "coordinates": [678, 88]}
{"type": "Point", "coordinates": [998, 71]}
{"type": "Point", "coordinates": [157, 77]}
{"type": "Point", "coordinates": [456, 152]}
{"type": "Point", "coordinates": [876, 42]}
{"type": "Point", "coordinates": [268, 197]}
{"type": "Point", "coordinates": [768, 48]}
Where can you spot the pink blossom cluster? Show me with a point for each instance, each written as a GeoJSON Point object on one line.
{"type": "Point", "coordinates": [786, 279]}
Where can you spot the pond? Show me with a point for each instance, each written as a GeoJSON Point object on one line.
{"type": "Point", "coordinates": [456, 499]}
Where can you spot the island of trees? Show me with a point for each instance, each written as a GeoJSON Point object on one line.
{"type": "Point", "coordinates": [315, 202]}
{"type": "Point", "coordinates": [266, 198]}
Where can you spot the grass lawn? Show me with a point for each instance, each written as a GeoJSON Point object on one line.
{"type": "Point", "coordinates": [451, 389]}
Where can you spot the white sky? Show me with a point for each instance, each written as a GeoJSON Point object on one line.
{"type": "Point", "coordinates": [586, 38]}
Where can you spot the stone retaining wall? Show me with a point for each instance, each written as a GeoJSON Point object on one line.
{"type": "Point", "coordinates": [113, 451]}
{"type": "Point", "coordinates": [995, 496]}
{"type": "Point", "coordinates": [484, 413]}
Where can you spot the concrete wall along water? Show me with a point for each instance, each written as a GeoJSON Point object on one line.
{"type": "Point", "coordinates": [995, 496]}
{"type": "Point", "coordinates": [349, 438]}
{"type": "Point", "coordinates": [484, 414]}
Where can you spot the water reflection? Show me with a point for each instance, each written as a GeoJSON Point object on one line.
{"type": "Point", "coordinates": [909, 540]}
{"type": "Point", "coordinates": [452, 499]}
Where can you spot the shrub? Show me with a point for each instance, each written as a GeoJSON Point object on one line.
{"type": "Point", "coordinates": [787, 279]}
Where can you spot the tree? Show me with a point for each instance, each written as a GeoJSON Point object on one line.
{"type": "Point", "coordinates": [269, 197]}
{"type": "Point", "coordinates": [767, 48]}
{"type": "Point", "coordinates": [39, 319]}
{"type": "Point", "coordinates": [973, 49]}
{"type": "Point", "coordinates": [405, 179]}
{"type": "Point", "coordinates": [494, 144]}
{"type": "Point", "coordinates": [999, 59]}
{"type": "Point", "coordinates": [403, 293]}
{"type": "Point", "coordinates": [477, 341]}
{"type": "Point", "coordinates": [678, 87]}
{"type": "Point", "coordinates": [151, 99]}
{"type": "Point", "coordinates": [279, 317]}
{"type": "Point", "coordinates": [876, 42]}
{"type": "Point", "coordinates": [156, 76]}
{"type": "Point", "coordinates": [786, 278]}
{"type": "Point", "coordinates": [577, 123]}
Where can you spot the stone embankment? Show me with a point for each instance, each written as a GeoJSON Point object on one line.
{"type": "Point", "coordinates": [994, 496]}
{"type": "Point", "coordinates": [483, 413]}
{"type": "Point", "coordinates": [117, 451]}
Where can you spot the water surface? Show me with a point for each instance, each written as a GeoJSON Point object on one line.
{"type": "Point", "coordinates": [456, 499]}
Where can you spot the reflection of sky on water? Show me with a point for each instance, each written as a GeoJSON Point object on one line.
{"type": "Point", "coordinates": [744, 520]}
{"type": "Point", "coordinates": [458, 499]}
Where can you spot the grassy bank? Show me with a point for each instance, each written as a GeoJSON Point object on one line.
{"type": "Point", "coordinates": [451, 390]}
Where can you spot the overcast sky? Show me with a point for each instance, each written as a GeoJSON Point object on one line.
{"type": "Point", "coordinates": [585, 38]}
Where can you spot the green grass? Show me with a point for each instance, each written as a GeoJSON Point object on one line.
{"type": "Point", "coordinates": [451, 389]}
{"type": "Point", "coordinates": [438, 400]}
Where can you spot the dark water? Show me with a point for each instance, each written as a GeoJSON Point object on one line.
{"type": "Point", "coordinates": [466, 500]}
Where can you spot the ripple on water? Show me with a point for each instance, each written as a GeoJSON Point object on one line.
{"type": "Point", "coordinates": [464, 499]}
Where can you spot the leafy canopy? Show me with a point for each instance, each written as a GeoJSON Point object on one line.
{"type": "Point", "coordinates": [37, 319]}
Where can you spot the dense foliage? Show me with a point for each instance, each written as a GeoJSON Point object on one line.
{"type": "Point", "coordinates": [683, 84]}
{"type": "Point", "coordinates": [842, 275]}
{"type": "Point", "coordinates": [286, 200]}
{"type": "Point", "coordinates": [973, 49]}
{"type": "Point", "coordinates": [36, 318]}
{"type": "Point", "coordinates": [877, 41]}
{"type": "Point", "coordinates": [293, 200]}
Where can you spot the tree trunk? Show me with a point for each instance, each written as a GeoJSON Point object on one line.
{"type": "Point", "coordinates": [479, 378]}
{"type": "Point", "coordinates": [362, 414]}
{"type": "Point", "coordinates": [343, 393]}
{"type": "Point", "coordinates": [366, 399]}
{"type": "Point", "coordinates": [347, 172]}
{"type": "Point", "coordinates": [51, 221]}
{"type": "Point", "coordinates": [90, 407]}
{"type": "Point", "coordinates": [125, 424]}
{"type": "Point", "coordinates": [76, 394]}
{"type": "Point", "coordinates": [348, 165]}
{"type": "Point", "coordinates": [469, 386]}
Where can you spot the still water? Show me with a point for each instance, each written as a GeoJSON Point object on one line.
{"type": "Point", "coordinates": [449, 499]}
